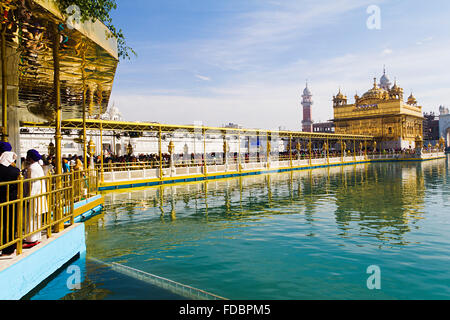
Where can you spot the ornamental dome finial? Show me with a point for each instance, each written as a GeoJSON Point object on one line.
{"type": "Point", "coordinates": [307, 92]}
{"type": "Point", "coordinates": [412, 100]}
{"type": "Point", "coordinates": [384, 81]}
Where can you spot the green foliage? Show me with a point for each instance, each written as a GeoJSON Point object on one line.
{"type": "Point", "coordinates": [100, 10]}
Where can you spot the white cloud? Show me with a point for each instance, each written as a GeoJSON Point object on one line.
{"type": "Point", "coordinates": [387, 52]}
{"type": "Point", "coordinates": [256, 35]}
{"type": "Point", "coordinates": [254, 95]}
{"type": "Point", "coordinates": [204, 78]}
{"type": "Point", "coordinates": [423, 41]}
{"type": "Point", "coordinates": [269, 99]}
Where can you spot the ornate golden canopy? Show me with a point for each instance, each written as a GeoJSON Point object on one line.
{"type": "Point", "coordinates": [88, 59]}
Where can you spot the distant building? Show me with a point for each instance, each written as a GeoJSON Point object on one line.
{"type": "Point", "coordinates": [431, 128]}
{"type": "Point", "coordinates": [324, 127]}
{"type": "Point", "coordinates": [40, 138]}
{"type": "Point", "coordinates": [112, 114]}
{"type": "Point", "coordinates": [232, 126]}
{"type": "Point", "coordinates": [444, 124]}
{"type": "Point", "coordinates": [307, 123]}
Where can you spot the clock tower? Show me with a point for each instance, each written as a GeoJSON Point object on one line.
{"type": "Point", "coordinates": [307, 123]}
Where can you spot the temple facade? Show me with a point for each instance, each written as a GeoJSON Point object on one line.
{"type": "Point", "coordinates": [381, 112]}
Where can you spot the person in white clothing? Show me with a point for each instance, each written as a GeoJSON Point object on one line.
{"type": "Point", "coordinates": [37, 205]}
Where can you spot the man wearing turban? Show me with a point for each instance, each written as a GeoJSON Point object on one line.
{"type": "Point", "coordinates": [5, 147]}
{"type": "Point", "coordinates": [38, 205]}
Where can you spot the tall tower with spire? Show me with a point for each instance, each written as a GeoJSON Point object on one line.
{"type": "Point", "coordinates": [307, 123]}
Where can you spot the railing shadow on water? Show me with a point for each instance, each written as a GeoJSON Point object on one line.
{"type": "Point", "coordinates": [180, 289]}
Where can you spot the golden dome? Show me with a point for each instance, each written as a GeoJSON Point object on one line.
{"type": "Point", "coordinates": [396, 92]}
{"type": "Point", "coordinates": [396, 88]}
{"type": "Point", "coordinates": [340, 95]}
{"type": "Point", "coordinates": [340, 99]}
{"type": "Point", "coordinates": [375, 92]}
{"type": "Point", "coordinates": [412, 100]}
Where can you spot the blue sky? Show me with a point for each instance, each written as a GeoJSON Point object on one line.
{"type": "Point", "coordinates": [246, 62]}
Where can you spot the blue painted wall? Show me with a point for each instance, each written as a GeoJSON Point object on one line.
{"type": "Point", "coordinates": [19, 279]}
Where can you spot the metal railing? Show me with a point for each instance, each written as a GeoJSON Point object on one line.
{"type": "Point", "coordinates": [137, 171]}
{"type": "Point", "coordinates": [199, 162]}
{"type": "Point", "coordinates": [41, 205]}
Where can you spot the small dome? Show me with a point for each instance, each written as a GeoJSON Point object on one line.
{"type": "Point", "coordinates": [412, 100]}
{"type": "Point", "coordinates": [385, 83]}
{"type": "Point", "coordinates": [340, 95]}
{"type": "Point", "coordinates": [339, 99]}
{"type": "Point", "coordinates": [395, 87]}
{"type": "Point", "coordinates": [307, 92]}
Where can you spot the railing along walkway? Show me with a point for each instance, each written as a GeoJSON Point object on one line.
{"type": "Point", "coordinates": [41, 205]}
{"type": "Point", "coordinates": [145, 171]}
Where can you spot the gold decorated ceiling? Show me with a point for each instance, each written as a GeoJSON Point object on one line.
{"type": "Point", "coordinates": [83, 63]}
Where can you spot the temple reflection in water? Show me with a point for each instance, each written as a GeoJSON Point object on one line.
{"type": "Point", "coordinates": [381, 201]}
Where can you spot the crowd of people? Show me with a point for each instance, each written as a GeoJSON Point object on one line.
{"type": "Point", "coordinates": [153, 159]}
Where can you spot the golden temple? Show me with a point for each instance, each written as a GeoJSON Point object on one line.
{"type": "Point", "coordinates": [382, 113]}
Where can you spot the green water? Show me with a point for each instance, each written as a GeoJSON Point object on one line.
{"type": "Point", "coordinates": [301, 235]}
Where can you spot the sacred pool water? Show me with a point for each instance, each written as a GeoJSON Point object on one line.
{"type": "Point", "coordinates": [370, 231]}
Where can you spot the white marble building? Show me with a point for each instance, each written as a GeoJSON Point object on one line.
{"type": "Point", "coordinates": [117, 143]}
{"type": "Point", "coordinates": [444, 124]}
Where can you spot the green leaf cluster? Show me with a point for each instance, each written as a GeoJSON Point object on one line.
{"type": "Point", "coordinates": [100, 10]}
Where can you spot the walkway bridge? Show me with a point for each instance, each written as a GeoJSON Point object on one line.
{"type": "Point", "coordinates": [196, 153]}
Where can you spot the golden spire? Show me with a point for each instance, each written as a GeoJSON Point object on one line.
{"type": "Point", "coordinates": [339, 99]}
{"type": "Point", "coordinates": [412, 100]}
{"type": "Point", "coordinates": [340, 94]}
{"type": "Point", "coordinates": [395, 84]}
